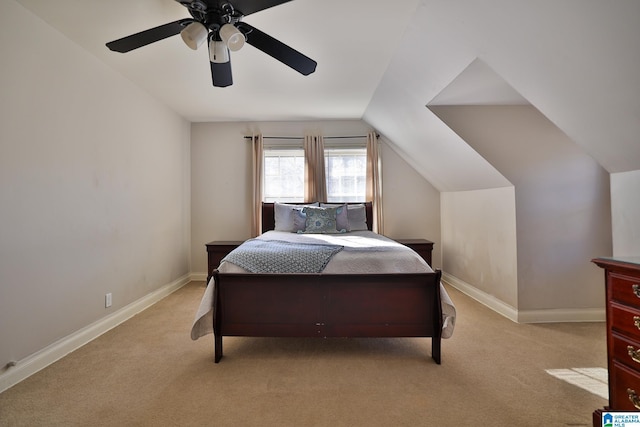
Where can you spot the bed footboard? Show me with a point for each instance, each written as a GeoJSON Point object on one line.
{"type": "Point", "coordinates": [328, 305]}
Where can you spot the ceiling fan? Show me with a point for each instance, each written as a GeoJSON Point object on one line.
{"type": "Point", "coordinates": [219, 22]}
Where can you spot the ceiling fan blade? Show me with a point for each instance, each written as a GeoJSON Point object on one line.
{"type": "Point", "coordinates": [149, 36]}
{"type": "Point", "coordinates": [221, 74]}
{"type": "Point", "coordinates": [247, 7]}
{"type": "Point", "coordinates": [278, 50]}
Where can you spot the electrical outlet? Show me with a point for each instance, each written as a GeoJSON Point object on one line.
{"type": "Point", "coordinates": [107, 300]}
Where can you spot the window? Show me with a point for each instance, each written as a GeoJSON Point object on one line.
{"type": "Point", "coordinates": [346, 173]}
{"type": "Point", "coordinates": [283, 175]}
{"type": "Point", "coordinates": [345, 170]}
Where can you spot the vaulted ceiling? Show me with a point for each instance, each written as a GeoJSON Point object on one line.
{"type": "Point", "coordinates": [576, 61]}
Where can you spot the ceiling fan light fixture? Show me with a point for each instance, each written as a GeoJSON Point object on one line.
{"type": "Point", "coordinates": [194, 35]}
{"type": "Point", "coordinates": [232, 37]}
{"type": "Point", "coordinates": [218, 52]}
{"type": "Point", "coordinates": [222, 25]}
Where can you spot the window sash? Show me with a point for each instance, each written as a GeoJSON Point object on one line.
{"type": "Point", "coordinates": [346, 172]}
{"type": "Point", "coordinates": [283, 175]}
{"type": "Point", "coordinates": [345, 169]}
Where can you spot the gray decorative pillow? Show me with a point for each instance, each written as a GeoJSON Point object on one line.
{"type": "Point", "coordinates": [357, 217]}
{"type": "Point", "coordinates": [320, 220]}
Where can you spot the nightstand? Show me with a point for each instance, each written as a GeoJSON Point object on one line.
{"type": "Point", "coordinates": [217, 250]}
{"type": "Point", "coordinates": [422, 246]}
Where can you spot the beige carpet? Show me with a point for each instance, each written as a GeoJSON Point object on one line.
{"type": "Point", "coordinates": [148, 372]}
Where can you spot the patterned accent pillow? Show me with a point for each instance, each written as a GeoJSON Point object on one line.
{"type": "Point", "coordinates": [342, 219]}
{"type": "Point", "coordinates": [321, 220]}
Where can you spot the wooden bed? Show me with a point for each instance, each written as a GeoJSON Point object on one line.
{"type": "Point", "coordinates": [327, 305]}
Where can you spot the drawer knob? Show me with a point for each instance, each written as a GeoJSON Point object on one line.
{"type": "Point", "coordinates": [636, 290]}
{"type": "Point", "coordinates": [633, 397]}
{"type": "Point", "coordinates": [635, 354]}
{"type": "Point", "coordinates": [636, 321]}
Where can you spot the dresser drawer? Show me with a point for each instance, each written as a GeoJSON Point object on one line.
{"type": "Point", "coordinates": [625, 320]}
{"type": "Point", "coordinates": [624, 289]}
{"type": "Point", "coordinates": [625, 388]}
{"type": "Point", "coordinates": [626, 351]}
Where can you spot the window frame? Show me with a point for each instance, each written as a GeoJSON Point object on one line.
{"type": "Point", "coordinates": [269, 151]}
{"type": "Point", "coordinates": [347, 150]}
{"type": "Point", "coordinates": [297, 146]}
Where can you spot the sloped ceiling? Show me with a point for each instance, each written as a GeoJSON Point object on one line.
{"type": "Point", "coordinates": [576, 61]}
{"type": "Point", "coordinates": [478, 84]}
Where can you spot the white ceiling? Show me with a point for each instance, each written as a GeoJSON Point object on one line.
{"type": "Point", "coordinates": [577, 61]}
{"type": "Point", "coordinates": [352, 41]}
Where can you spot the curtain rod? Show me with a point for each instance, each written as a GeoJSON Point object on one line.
{"type": "Point", "coordinates": [300, 137]}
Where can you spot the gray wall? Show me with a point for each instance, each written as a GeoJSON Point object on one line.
{"type": "Point", "coordinates": [94, 188]}
{"type": "Point", "coordinates": [480, 243]}
{"type": "Point", "coordinates": [625, 208]}
{"type": "Point", "coordinates": [562, 201]}
{"type": "Point", "coordinates": [411, 203]}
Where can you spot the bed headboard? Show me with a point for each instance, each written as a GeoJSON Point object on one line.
{"type": "Point", "coordinates": [269, 220]}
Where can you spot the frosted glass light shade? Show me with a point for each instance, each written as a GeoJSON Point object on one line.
{"type": "Point", "coordinates": [194, 35]}
{"type": "Point", "coordinates": [218, 52]}
{"type": "Point", "coordinates": [232, 37]}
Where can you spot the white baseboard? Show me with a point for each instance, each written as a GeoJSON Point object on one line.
{"type": "Point", "coordinates": [48, 355]}
{"type": "Point", "coordinates": [526, 316]}
{"type": "Point", "coordinates": [559, 315]}
{"type": "Point", "coordinates": [482, 297]}
{"type": "Point", "coordinates": [200, 277]}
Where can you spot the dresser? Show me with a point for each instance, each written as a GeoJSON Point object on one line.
{"type": "Point", "coordinates": [622, 282]}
